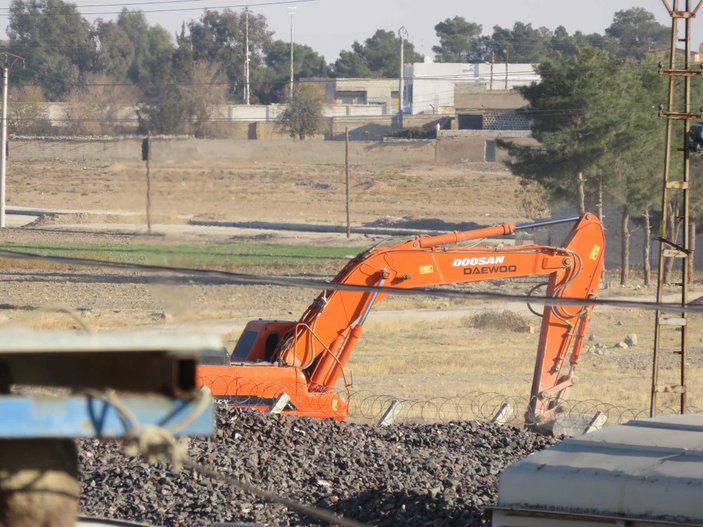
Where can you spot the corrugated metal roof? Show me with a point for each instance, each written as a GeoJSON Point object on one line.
{"type": "Point", "coordinates": [650, 468]}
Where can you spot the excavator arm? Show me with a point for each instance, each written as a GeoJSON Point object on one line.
{"type": "Point", "coordinates": [308, 357]}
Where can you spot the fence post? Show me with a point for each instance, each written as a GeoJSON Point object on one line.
{"type": "Point", "coordinates": [280, 403]}
{"type": "Point", "coordinates": [503, 414]}
{"type": "Point", "coordinates": [391, 413]}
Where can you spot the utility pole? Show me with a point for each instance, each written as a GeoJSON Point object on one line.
{"type": "Point", "coordinates": [675, 197]}
{"type": "Point", "coordinates": [146, 156]}
{"type": "Point", "coordinates": [493, 58]}
{"type": "Point", "coordinates": [507, 59]}
{"type": "Point", "coordinates": [402, 34]}
{"type": "Point", "coordinates": [346, 175]}
{"type": "Point", "coordinates": [3, 154]}
{"type": "Point", "coordinates": [246, 60]}
{"type": "Point", "coordinates": [8, 60]}
{"type": "Point", "coordinates": [291, 10]}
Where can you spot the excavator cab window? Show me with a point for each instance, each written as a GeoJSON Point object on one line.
{"type": "Point", "coordinates": [270, 346]}
{"type": "Point", "coordinates": [214, 357]}
{"type": "Point", "coordinates": [244, 344]}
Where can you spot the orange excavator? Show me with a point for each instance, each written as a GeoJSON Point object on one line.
{"type": "Point", "coordinates": [296, 365]}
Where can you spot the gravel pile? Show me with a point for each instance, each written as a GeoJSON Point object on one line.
{"type": "Point", "coordinates": [437, 474]}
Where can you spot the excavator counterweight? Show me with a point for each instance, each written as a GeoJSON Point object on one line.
{"type": "Point", "coordinates": [295, 366]}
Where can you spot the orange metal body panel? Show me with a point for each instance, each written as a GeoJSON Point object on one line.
{"type": "Point", "coordinates": [317, 347]}
{"type": "Point", "coordinates": [257, 385]}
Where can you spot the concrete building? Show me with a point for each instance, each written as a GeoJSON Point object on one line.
{"type": "Point", "coordinates": [480, 109]}
{"type": "Point", "coordinates": [376, 92]}
{"type": "Point", "coordinates": [430, 87]}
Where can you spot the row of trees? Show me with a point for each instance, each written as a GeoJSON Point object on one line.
{"type": "Point", "coordinates": [633, 33]}
{"type": "Point", "coordinates": [593, 114]}
{"type": "Point", "coordinates": [177, 80]}
{"type": "Point", "coordinates": [600, 141]}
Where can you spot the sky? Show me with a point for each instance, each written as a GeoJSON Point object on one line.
{"type": "Point", "coordinates": [329, 26]}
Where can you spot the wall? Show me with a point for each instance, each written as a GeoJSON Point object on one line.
{"type": "Point", "coordinates": [468, 98]}
{"type": "Point", "coordinates": [493, 120]}
{"type": "Point", "coordinates": [57, 111]}
{"type": "Point", "coordinates": [449, 150]}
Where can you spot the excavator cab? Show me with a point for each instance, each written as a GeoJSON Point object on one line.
{"type": "Point", "coordinates": [260, 339]}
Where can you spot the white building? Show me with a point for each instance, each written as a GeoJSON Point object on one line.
{"type": "Point", "coordinates": [430, 86]}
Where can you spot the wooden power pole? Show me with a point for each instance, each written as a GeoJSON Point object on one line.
{"type": "Point", "coordinates": [675, 196]}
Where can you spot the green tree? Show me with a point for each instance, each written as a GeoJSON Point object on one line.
{"type": "Point", "coordinates": [167, 104]}
{"type": "Point", "coordinates": [56, 42]}
{"type": "Point", "coordinates": [594, 118]}
{"type": "Point", "coordinates": [307, 62]}
{"type": "Point", "coordinates": [219, 37]}
{"type": "Point", "coordinates": [635, 32]}
{"type": "Point", "coordinates": [129, 48]}
{"type": "Point", "coordinates": [351, 64]}
{"type": "Point", "coordinates": [117, 51]}
{"type": "Point", "coordinates": [183, 59]}
{"type": "Point", "coordinates": [576, 117]}
{"type": "Point", "coordinates": [380, 54]}
{"type": "Point", "coordinates": [152, 45]}
{"type": "Point", "coordinates": [631, 168]}
{"type": "Point", "coordinates": [302, 116]}
{"type": "Point", "coordinates": [521, 44]}
{"type": "Point", "coordinates": [562, 43]}
{"type": "Point", "coordinates": [459, 41]}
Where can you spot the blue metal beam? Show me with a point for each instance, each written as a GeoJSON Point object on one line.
{"type": "Point", "coordinates": [86, 416]}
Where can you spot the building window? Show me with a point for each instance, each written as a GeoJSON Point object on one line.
{"type": "Point", "coordinates": [490, 154]}
{"type": "Point", "coordinates": [351, 97]}
{"type": "Point", "coordinates": [470, 122]}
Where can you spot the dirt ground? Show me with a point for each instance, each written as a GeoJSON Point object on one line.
{"type": "Point", "coordinates": [276, 192]}
{"type": "Point", "coordinates": [412, 354]}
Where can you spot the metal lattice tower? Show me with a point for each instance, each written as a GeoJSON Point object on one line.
{"type": "Point", "coordinates": [675, 201]}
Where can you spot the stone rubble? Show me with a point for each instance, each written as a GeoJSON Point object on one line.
{"type": "Point", "coordinates": [406, 474]}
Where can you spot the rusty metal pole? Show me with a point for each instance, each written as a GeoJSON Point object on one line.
{"type": "Point", "coordinates": [3, 155]}
{"type": "Point", "coordinates": [291, 11]}
{"type": "Point", "coordinates": [346, 174]}
{"type": "Point", "coordinates": [490, 84]}
{"type": "Point", "coordinates": [402, 34]}
{"type": "Point", "coordinates": [148, 181]}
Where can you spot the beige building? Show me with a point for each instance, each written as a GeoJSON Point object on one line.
{"type": "Point", "coordinates": [430, 87]}
{"type": "Point", "coordinates": [381, 92]}
{"type": "Point", "coordinates": [480, 109]}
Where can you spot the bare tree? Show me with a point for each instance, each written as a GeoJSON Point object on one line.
{"type": "Point", "coordinates": [101, 106]}
{"type": "Point", "coordinates": [532, 199]}
{"type": "Point", "coordinates": [208, 92]}
{"type": "Point", "coordinates": [27, 111]}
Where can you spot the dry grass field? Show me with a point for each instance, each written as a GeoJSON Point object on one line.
{"type": "Point", "coordinates": [271, 191]}
{"type": "Point", "coordinates": [448, 358]}
{"type": "Point", "coordinates": [413, 347]}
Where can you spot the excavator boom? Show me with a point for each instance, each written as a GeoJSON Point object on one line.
{"type": "Point", "coordinates": [305, 359]}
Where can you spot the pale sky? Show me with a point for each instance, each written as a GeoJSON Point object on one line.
{"type": "Point", "coordinates": [329, 26]}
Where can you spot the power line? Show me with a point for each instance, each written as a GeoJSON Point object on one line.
{"type": "Point", "coordinates": [308, 283]}
{"type": "Point", "coordinates": [123, 4]}
{"type": "Point", "coordinates": [183, 9]}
